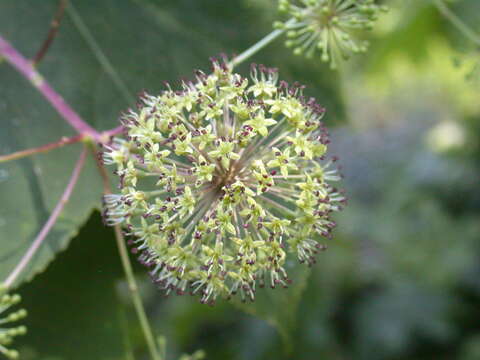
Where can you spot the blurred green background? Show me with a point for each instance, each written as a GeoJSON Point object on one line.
{"type": "Point", "coordinates": [401, 278]}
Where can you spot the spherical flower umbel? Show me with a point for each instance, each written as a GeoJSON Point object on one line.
{"type": "Point", "coordinates": [223, 181]}
{"type": "Point", "coordinates": [328, 26]}
{"type": "Point", "coordinates": [8, 333]}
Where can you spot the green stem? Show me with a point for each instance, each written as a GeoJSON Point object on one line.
{"type": "Point", "coordinates": [260, 44]}
{"type": "Point", "coordinates": [136, 297]}
{"type": "Point", "coordinates": [457, 22]}
{"type": "Point", "coordinates": [130, 277]}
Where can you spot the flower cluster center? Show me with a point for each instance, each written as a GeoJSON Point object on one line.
{"type": "Point", "coordinates": [240, 179]}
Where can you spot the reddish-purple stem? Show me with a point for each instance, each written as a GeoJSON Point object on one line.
{"type": "Point", "coordinates": [37, 242]}
{"type": "Point", "coordinates": [104, 137]}
{"type": "Point", "coordinates": [44, 148]}
{"type": "Point", "coordinates": [28, 71]}
{"type": "Point", "coordinates": [54, 25]}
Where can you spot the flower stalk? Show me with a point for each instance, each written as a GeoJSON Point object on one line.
{"type": "Point", "coordinates": [129, 275]}
{"type": "Point", "coordinates": [259, 45]}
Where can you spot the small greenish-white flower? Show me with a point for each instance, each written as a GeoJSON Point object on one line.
{"type": "Point", "coordinates": [222, 181]}
{"type": "Point", "coordinates": [328, 26]}
{"type": "Point", "coordinates": [8, 333]}
{"type": "Point", "coordinates": [260, 124]}
{"type": "Point", "coordinates": [283, 160]}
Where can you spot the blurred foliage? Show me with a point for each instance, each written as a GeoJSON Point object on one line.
{"type": "Point", "coordinates": [401, 277]}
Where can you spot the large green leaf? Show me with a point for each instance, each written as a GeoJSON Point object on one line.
{"type": "Point", "coordinates": [30, 187]}
{"type": "Point", "coordinates": [104, 53]}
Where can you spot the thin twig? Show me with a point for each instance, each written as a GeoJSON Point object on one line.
{"type": "Point", "coordinates": [44, 148]}
{"type": "Point", "coordinates": [457, 22]}
{"type": "Point", "coordinates": [37, 242]}
{"type": "Point", "coordinates": [104, 137]}
{"type": "Point", "coordinates": [28, 71]}
{"type": "Point", "coordinates": [127, 268]}
{"type": "Point", "coordinates": [54, 25]}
